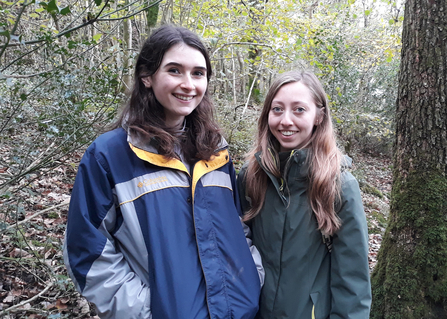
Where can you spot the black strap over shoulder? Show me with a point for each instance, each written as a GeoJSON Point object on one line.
{"type": "Point", "coordinates": [327, 240]}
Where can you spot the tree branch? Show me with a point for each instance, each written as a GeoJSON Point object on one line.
{"type": "Point", "coordinates": [65, 203]}
{"type": "Point", "coordinates": [249, 43]}
{"type": "Point", "coordinates": [24, 76]}
{"type": "Point", "coordinates": [14, 28]}
{"type": "Point", "coordinates": [24, 302]}
{"type": "Point", "coordinates": [91, 21]}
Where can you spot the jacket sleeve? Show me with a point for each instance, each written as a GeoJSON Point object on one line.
{"type": "Point", "coordinates": [244, 206]}
{"type": "Point", "coordinates": [350, 278]}
{"type": "Point", "coordinates": [95, 264]}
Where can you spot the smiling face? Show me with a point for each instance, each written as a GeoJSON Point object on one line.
{"type": "Point", "coordinates": [293, 115]}
{"type": "Point", "coordinates": [179, 83]}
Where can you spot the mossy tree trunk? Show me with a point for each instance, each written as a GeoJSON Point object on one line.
{"type": "Point", "coordinates": [410, 279]}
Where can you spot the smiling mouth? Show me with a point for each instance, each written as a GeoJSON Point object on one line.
{"type": "Point", "coordinates": [184, 98]}
{"type": "Point", "coordinates": [287, 133]}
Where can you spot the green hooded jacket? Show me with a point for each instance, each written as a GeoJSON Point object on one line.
{"type": "Point", "coordinates": [303, 280]}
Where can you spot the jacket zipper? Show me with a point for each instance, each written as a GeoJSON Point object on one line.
{"type": "Point", "coordinates": [200, 259]}
{"type": "Point", "coordinates": [197, 243]}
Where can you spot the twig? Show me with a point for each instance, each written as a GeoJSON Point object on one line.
{"type": "Point", "coordinates": [37, 214]}
{"type": "Point", "coordinates": [88, 22]}
{"type": "Point", "coordinates": [24, 302]}
{"type": "Point", "coordinates": [251, 44]}
{"type": "Point", "coordinates": [23, 76]}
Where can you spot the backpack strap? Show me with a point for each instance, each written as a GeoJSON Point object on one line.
{"type": "Point", "coordinates": [327, 240]}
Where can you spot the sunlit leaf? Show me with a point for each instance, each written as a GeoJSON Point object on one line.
{"type": "Point", "coordinates": [97, 36]}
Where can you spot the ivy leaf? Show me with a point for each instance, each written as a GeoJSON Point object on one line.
{"type": "Point", "coordinates": [98, 2]}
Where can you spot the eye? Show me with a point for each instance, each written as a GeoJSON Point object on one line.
{"type": "Point", "coordinates": [199, 73]}
{"type": "Point", "coordinates": [300, 109]}
{"type": "Point", "coordinates": [174, 71]}
{"type": "Point", "coordinates": [276, 109]}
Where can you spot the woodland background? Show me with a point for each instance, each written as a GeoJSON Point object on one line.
{"type": "Point", "coordinates": [65, 69]}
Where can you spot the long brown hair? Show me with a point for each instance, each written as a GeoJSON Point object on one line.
{"type": "Point", "coordinates": [323, 156]}
{"type": "Point", "coordinates": [144, 115]}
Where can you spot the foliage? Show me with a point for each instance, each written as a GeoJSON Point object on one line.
{"type": "Point", "coordinates": [64, 66]}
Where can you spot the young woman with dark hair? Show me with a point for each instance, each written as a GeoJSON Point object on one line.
{"type": "Point", "coordinates": [304, 209]}
{"type": "Point", "coordinates": [154, 226]}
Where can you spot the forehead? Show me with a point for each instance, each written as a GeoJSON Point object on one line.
{"type": "Point", "coordinates": [182, 53]}
{"type": "Point", "coordinates": [294, 92]}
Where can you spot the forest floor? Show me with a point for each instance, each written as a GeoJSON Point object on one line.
{"type": "Point", "coordinates": [33, 278]}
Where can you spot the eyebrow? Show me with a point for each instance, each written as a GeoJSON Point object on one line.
{"type": "Point", "coordinates": [294, 103]}
{"type": "Point", "coordinates": [181, 65]}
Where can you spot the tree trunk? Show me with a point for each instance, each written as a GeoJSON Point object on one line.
{"type": "Point", "coordinates": [410, 279]}
{"type": "Point", "coordinates": [127, 71]}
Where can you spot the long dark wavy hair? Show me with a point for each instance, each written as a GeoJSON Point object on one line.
{"type": "Point", "coordinates": [144, 116]}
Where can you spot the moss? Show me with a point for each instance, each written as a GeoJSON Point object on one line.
{"type": "Point", "coordinates": [369, 189]}
{"type": "Point", "coordinates": [410, 279]}
{"type": "Point", "coordinates": [381, 222]}
{"type": "Point", "coordinates": [53, 215]}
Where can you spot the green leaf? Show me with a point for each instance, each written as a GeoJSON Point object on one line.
{"type": "Point", "coordinates": [23, 96]}
{"type": "Point", "coordinates": [391, 21]}
{"type": "Point", "coordinates": [97, 36]}
{"type": "Point", "coordinates": [65, 11]}
{"type": "Point", "coordinates": [389, 59]}
{"type": "Point", "coordinates": [72, 44]}
{"type": "Point", "coordinates": [52, 7]}
{"type": "Point", "coordinates": [4, 32]}
{"type": "Point", "coordinates": [367, 12]}
{"type": "Point", "coordinates": [98, 2]}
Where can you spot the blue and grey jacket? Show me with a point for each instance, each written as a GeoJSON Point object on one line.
{"type": "Point", "coordinates": [149, 237]}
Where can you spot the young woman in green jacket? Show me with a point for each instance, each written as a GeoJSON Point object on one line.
{"type": "Point", "coordinates": [305, 209]}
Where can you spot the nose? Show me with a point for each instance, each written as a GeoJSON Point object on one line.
{"type": "Point", "coordinates": [187, 83]}
{"type": "Point", "coordinates": [286, 119]}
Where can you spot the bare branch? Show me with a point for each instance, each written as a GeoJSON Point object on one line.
{"type": "Point", "coordinates": [91, 21]}
{"type": "Point", "coordinates": [23, 76]}
{"type": "Point", "coordinates": [65, 203]}
{"type": "Point", "coordinates": [249, 43]}
{"type": "Point", "coordinates": [24, 302]}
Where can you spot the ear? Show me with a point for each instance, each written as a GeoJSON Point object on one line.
{"type": "Point", "coordinates": [147, 81]}
{"type": "Point", "coordinates": [319, 117]}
